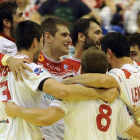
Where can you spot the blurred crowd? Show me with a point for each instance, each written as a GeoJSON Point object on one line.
{"type": "Point", "coordinates": [114, 15]}
{"type": "Point", "coordinates": [118, 15]}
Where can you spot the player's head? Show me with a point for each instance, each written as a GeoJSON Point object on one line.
{"type": "Point", "coordinates": [10, 16]}
{"type": "Point", "coordinates": [88, 31]}
{"type": "Point", "coordinates": [115, 45]}
{"type": "Point", "coordinates": [94, 61]}
{"type": "Point", "coordinates": [28, 35]}
{"type": "Point", "coordinates": [56, 34]}
{"type": "Point", "coordinates": [134, 41]}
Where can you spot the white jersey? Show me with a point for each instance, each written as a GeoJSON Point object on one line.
{"type": "Point", "coordinates": [7, 46]}
{"type": "Point", "coordinates": [59, 70]}
{"type": "Point", "coordinates": [94, 119]}
{"type": "Point", "coordinates": [128, 78]}
{"type": "Point", "coordinates": [24, 94]}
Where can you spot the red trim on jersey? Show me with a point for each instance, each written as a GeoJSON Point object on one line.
{"type": "Point", "coordinates": [7, 37]}
{"type": "Point", "coordinates": [1, 56]}
{"type": "Point", "coordinates": [127, 74]}
{"type": "Point", "coordinates": [128, 127]}
{"type": "Point", "coordinates": [138, 63]}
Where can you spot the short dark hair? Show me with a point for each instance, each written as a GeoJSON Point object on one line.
{"type": "Point", "coordinates": [25, 32]}
{"type": "Point", "coordinates": [118, 44]}
{"type": "Point", "coordinates": [134, 40]}
{"type": "Point", "coordinates": [94, 61]}
{"type": "Point", "coordinates": [7, 10]}
{"type": "Point", "coordinates": [82, 25]}
{"type": "Point", "coordinates": [49, 24]}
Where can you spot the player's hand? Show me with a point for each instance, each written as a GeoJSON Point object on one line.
{"type": "Point", "coordinates": [137, 112]}
{"type": "Point", "coordinates": [10, 108]}
{"type": "Point", "coordinates": [67, 81]}
{"type": "Point", "coordinates": [110, 94]}
{"type": "Point", "coordinates": [17, 65]}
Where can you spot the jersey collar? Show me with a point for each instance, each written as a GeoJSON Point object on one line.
{"type": "Point", "coordinates": [7, 37]}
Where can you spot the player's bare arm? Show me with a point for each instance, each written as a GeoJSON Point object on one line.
{"type": "Point", "coordinates": [17, 66]}
{"type": "Point", "coordinates": [134, 131]}
{"type": "Point", "coordinates": [36, 116]}
{"type": "Point", "coordinates": [93, 80]}
{"type": "Point", "coordinates": [62, 91]}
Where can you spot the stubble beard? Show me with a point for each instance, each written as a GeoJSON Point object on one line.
{"type": "Point", "coordinates": [89, 43]}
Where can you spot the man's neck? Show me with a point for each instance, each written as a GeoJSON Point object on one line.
{"type": "Point", "coordinates": [51, 54]}
{"type": "Point", "coordinates": [119, 62]}
{"type": "Point", "coordinates": [27, 53]}
{"type": "Point", "coordinates": [78, 52]}
{"type": "Point", "coordinates": [7, 32]}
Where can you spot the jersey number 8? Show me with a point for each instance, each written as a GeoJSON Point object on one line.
{"type": "Point", "coordinates": [99, 119]}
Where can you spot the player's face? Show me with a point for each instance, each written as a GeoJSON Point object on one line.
{"type": "Point", "coordinates": [18, 17]}
{"type": "Point", "coordinates": [94, 36]}
{"type": "Point", "coordinates": [61, 41]}
{"type": "Point", "coordinates": [39, 48]}
{"type": "Point", "coordinates": [135, 53]}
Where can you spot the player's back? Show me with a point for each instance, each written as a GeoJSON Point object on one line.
{"type": "Point", "coordinates": [94, 119]}
{"type": "Point", "coordinates": [23, 94]}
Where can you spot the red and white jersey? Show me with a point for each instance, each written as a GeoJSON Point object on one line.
{"type": "Point", "coordinates": [58, 70]}
{"type": "Point", "coordinates": [94, 119]}
{"type": "Point", "coordinates": [7, 45]}
{"type": "Point", "coordinates": [1, 56]}
{"type": "Point", "coordinates": [24, 94]}
{"type": "Point", "coordinates": [128, 78]}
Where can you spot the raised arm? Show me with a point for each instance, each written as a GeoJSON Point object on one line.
{"type": "Point", "coordinates": [36, 116]}
{"type": "Point", "coordinates": [62, 91]}
{"type": "Point", "coordinates": [93, 80]}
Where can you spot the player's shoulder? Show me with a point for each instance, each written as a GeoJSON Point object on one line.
{"type": "Point", "coordinates": [118, 73]}
{"type": "Point", "coordinates": [115, 70]}
{"type": "Point", "coordinates": [73, 63]}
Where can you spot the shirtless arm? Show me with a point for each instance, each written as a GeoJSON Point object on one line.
{"type": "Point", "coordinates": [93, 80]}
{"type": "Point", "coordinates": [36, 116]}
{"type": "Point", "coordinates": [62, 91]}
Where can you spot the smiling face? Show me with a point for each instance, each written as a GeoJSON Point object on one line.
{"type": "Point", "coordinates": [94, 36]}
{"type": "Point", "coordinates": [61, 41]}
{"type": "Point", "coordinates": [18, 17]}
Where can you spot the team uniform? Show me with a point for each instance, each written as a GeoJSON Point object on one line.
{"type": "Point", "coordinates": [128, 78]}
{"type": "Point", "coordinates": [1, 56]}
{"type": "Point", "coordinates": [24, 94]}
{"type": "Point", "coordinates": [94, 119]}
{"type": "Point", "coordinates": [7, 45]}
{"type": "Point", "coordinates": [59, 70]}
